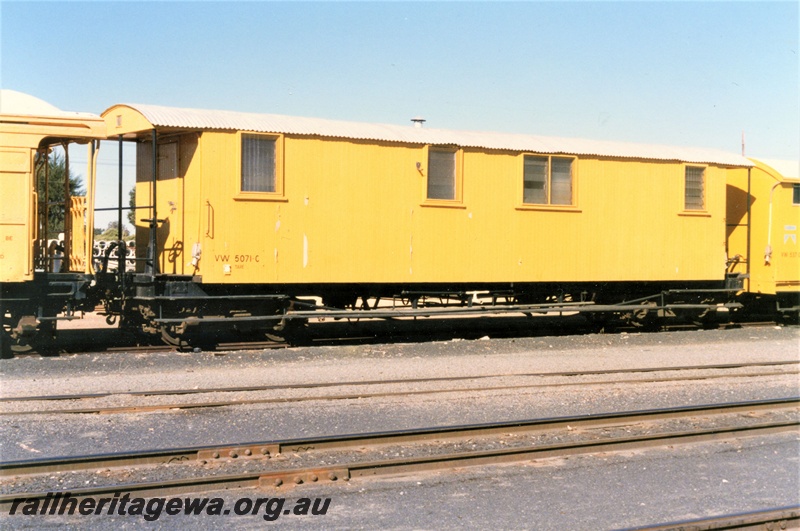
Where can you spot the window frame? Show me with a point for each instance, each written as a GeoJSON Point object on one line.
{"type": "Point", "coordinates": [572, 206]}
{"type": "Point", "coordinates": [278, 193]}
{"type": "Point", "coordinates": [458, 199]}
{"type": "Point", "coordinates": [704, 180]}
{"type": "Point", "coordinates": [795, 194]}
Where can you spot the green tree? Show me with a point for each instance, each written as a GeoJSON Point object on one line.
{"type": "Point", "coordinates": [111, 232]}
{"type": "Point", "coordinates": [55, 173]}
{"type": "Point", "coordinates": [132, 204]}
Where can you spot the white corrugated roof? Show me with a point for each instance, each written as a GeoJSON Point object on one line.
{"type": "Point", "coordinates": [789, 169]}
{"type": "Point", "coordinates": [21, 104]}
{"type": "Point", "coordinates": [270, 123]}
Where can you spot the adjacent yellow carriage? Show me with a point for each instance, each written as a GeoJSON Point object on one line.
{"type": "Point", "coordinates": [763, 220]}
{"type": "Point", "coordinates": [41, 277]}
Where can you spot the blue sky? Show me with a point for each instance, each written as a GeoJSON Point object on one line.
{"type": "Point", "coordinates": [681, 73]}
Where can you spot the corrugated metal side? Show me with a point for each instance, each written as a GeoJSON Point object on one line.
{"type": "Point", "coordinates": [271, 123]}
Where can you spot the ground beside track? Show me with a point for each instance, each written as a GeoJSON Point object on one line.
{"type": "Point", "coordinates": [120, 371]}
{"type": "Point", "coordinates": [580, 493]}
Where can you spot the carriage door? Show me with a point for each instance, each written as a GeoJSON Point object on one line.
{"type": "Point", "coordinates": [170, 204]}
{"type": "Point", "coordinates": [170, 209]}
{"type": "Point", "coordinates": [16, 226]}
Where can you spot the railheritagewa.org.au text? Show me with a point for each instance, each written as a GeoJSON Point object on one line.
{"type": "Point", "coordinates": [151, 509]}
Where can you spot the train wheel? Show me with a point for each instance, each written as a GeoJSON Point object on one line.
{"type": "Point", "coordinates": [789, 318]}
{"type": "Point", "coordinates": [602, 323]}
{"type": "Point", "coordinates": [647, 318]}
{"type": "Point", "coordinates": [5, 344]}
{"type": "Point", "coordinates": [706, 319]}
{"type": "Point", "coordinates": [44, 342]}
{"type": "Point", "coordinates": [174, 339]}
{"type": "Point", "coordinates": [5, 337]}
{"type": "Point", "coordinates": [17, 334]}
{"type": "Point", "coordinates": [292, 331]}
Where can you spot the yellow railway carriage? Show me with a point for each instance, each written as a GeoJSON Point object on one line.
{"type": "Point", "coordinates": [763, 220]}
{"type": "Point", "coordinates": [254, 204]}
{"type": "Point", "coordinates": [258, 223]}
{"type": "Point", "coordinates": [36, 284]}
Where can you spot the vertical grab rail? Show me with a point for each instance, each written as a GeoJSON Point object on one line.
{"type": "Point", "coordinates": [122, 249]}
{"type": "Point", "coordinates": [209, 220]}
{"type": "Point", "coordinates": [91, 176]}
{"type": "Point", "coordinates": [153, 251]}
{"type": "Point", "coordinates": [65, 262]}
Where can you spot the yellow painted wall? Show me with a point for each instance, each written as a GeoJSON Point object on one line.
{"type": "Point", "coordinates": [355, 211]}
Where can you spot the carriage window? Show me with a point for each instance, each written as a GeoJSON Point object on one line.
{"type": "Point", "coordinates": [547, 180]}
{"type": "Point", "coordinates": [258, 163]}
{"type": "Point", "coordinates": [694, 190]}
{"type": "Point", "coordinates": [441, 174]}
{"type": "Point", "coordinates": [796, 194]}
{"type": "Point", "coordinates": [561, 181]}
{"type": "Point", "coordinates": [535, 180]}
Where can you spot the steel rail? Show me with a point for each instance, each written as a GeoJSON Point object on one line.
{"type": "Point", "coordinates": [280, 387]}
{"type": "Point", "coordinates": [269, 448]}
{"type": "Point", "coordinates": [787, 517]}
{"type": "Point", "coordinates": [417, 464]}
{"type": "Point", "coordinates": [106, 410]}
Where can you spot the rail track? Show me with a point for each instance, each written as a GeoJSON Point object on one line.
{"type": "Point", "coordinates": [766, 519]}
{"type": "Point", "coordinates": [352, 395]}
{"type": "Point", "coordinates": [369, 455]}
